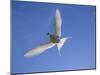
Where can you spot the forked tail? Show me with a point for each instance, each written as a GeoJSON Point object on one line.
{"type": "Point", "coordinates": [61, 43]}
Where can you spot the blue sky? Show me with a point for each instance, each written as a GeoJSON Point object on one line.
{"type": "Point", "coordinates": [30, 23]}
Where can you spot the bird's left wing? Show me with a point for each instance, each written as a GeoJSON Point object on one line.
{"type": "Point", "coordinates": [39, 49]}
{"type": "Point", "coordinates": [58, 21]}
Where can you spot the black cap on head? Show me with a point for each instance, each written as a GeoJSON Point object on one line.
{"type": "Point", "coordinates": [48, 33]}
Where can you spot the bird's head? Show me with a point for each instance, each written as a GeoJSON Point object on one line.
{"type": "Point", "coordinates": [48, 33]}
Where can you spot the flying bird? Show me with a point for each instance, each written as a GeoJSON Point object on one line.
{"type": "Point", "coordinates": [55, 39]}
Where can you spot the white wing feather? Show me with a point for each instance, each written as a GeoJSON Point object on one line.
{"type": "Point", "coordinates": [38, 50]}
{"type": "Point", "coordinates": [58, 23]}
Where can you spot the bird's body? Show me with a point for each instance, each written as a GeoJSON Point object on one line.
{"type": "Point", "coordinates": [55, 39]}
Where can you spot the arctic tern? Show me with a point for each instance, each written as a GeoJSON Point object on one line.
{"type": "Point", "coordinates": [55, 39]}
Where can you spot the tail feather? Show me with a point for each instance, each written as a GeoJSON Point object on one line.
{"type": "Point", "coordinates": [59, 45]}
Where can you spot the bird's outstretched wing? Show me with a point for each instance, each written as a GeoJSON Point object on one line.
{"type": "Point", "coordinates": [58, 23]}
{"type": "Point", "coordinates": [38, 50]}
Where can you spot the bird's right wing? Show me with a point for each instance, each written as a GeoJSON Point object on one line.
{"type": "Point", "coordinates": [38, 50]}
{"type": "Point", "coordinates": [58, 21]}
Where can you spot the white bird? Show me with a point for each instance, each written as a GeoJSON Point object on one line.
{"type": "Point", "coordinates": [55, 39]}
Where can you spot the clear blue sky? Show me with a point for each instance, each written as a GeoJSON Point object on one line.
{"type": "Point", "coordinates": [30, 23]}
